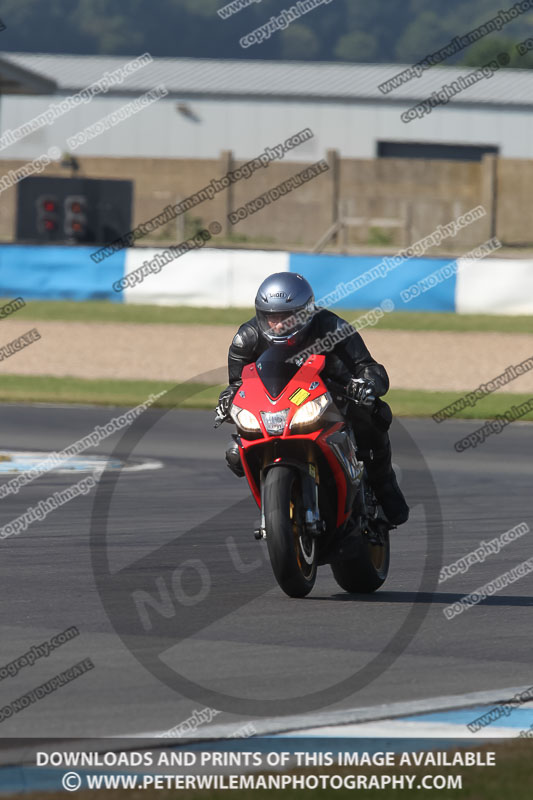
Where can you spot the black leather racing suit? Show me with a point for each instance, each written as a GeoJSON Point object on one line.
{"type": "Point", "coordinates": [348, 359]}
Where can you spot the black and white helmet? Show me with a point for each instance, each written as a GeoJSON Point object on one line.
{"type": "Point", "coordinates": [284, 307]}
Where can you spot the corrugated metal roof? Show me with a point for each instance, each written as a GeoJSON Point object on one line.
{"type": "Point", "coordinates": [15, 79]}
{"type": "Point", "coordinates": [197, 77]}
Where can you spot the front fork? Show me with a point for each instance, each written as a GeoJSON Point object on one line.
{"type": "Point", "coordinates": [314, 526]}
{"type": "Point", "coordinates": [260, 532]}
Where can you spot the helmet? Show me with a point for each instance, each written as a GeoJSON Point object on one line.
{"type": "Point", "coordinates": [284, 307]}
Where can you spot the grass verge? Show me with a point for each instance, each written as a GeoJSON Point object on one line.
{"type": "Point", "coordinates": [47, 389]}
{"type": "Point", "coordinates": [104, 311]}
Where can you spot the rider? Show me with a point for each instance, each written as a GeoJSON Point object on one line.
{"type": "Point", "coordinates": [286, 314]}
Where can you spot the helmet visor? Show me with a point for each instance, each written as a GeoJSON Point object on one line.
{"type": "Point", "coordinates": [278, 324]}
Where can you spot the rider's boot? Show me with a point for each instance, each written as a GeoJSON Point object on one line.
{"type": "Point", "coordinates": [383, 481]}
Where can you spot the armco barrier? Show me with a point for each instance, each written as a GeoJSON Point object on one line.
{"type": "Point", "coordinates": [209, 277]}
{"type": "Point", "coordinates": [221, 278]}
{"type": "Point", "coordinates": [495, 286]}
{"type": "Point", "coordinates": [326, 272]}
{"type": "Point", "coordinates": [204, 277]}
{"type": "Point", "coordinates": [57, 273]}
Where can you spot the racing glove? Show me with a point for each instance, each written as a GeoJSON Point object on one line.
{"type": "Point", "coordinates": [224, 403]}
{"type": "Point", "coordinates": [361, 391]}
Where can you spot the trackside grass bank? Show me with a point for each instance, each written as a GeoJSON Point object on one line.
{"type": "Point", "coordinates": [512, 776]}
{"type": "Point", "coordinates": [104, 311]}
{"type": "Point", "coordinates": [47, 389]}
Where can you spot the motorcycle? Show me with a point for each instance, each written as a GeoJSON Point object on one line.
{"type": "Point", "coordinates": [299, 456]}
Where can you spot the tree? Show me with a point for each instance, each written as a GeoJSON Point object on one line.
{"type": "Point", "coordinates": [383, 31]}
{"type": "Point", "coordinates": [489, 48]}
{"type": "Point", "coordinates": [356, 46]}
{"type": "Point", "coordinates": [299, 42]}
{"type": "Point", "coordinates": [423, 35]}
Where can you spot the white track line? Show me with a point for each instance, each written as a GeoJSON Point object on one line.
{"type": "Point", "coordinates": [368, 717]}
{"type": "Point", "coordinates": [320, 719]}
{"type": "Point", "coordinates": [404, 729]}
{"type": "Point", "coordinates": [28, 459]}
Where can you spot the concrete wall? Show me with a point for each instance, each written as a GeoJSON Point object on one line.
{"type": "Point", "coordinates": [514, 201]}
{"type": "Point", "coordinates": [422, 193]}
{"type": "Point", "coordinates": [157, 182]}
{"type": "Point", "coordinates": [298, 218]}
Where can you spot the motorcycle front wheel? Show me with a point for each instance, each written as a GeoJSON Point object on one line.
{"type": "Point", "coordinates": [291, 550]}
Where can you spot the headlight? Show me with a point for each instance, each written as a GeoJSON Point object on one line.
{"type": "Point", "coordinates": [244, 419]}
{"type": "Point", "coordinates": [274, 421]}
{"type": "Point", "coordinates": [311, 410]}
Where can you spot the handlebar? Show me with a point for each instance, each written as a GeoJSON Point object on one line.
{"type": "Point", "coordinates": [220, 420]}
{"type": "Point", "coordinates": [340, 390]}
{"type": "Point", "coordinates": [336, 388]}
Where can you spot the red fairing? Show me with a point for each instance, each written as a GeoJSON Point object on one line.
{"type": "Point", "coordinates": [249, 477]}
{"type": "Point", "coordinates": [256, 393]}
{"type": "Point", "coordinates": [340, 479]}
{"type": "Point", "coordinates": [257, 399]}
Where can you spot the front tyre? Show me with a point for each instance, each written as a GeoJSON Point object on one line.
{"type": "Point", "coordinates": [292, 551]}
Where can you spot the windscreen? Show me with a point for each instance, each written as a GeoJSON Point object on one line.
{"type": "Point", "coordinates": [275, 368]}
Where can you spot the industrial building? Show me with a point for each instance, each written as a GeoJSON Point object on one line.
{"type": "Point", "coordinates": [211, 106]}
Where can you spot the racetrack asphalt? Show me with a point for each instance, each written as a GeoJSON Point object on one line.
{"type": "Point", "coordinates": [183, 535]}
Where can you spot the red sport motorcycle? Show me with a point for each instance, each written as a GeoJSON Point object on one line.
{"type": "Point", "coordinates": [299, 456]}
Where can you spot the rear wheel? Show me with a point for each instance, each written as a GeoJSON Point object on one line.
{"type": "Point", "coordinates": [292, 551]}
{"type": "Point", "coordinates": [368, 569]}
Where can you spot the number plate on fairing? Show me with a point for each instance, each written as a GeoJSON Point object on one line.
{"type": "Point", "coordinates": [299, 396]}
